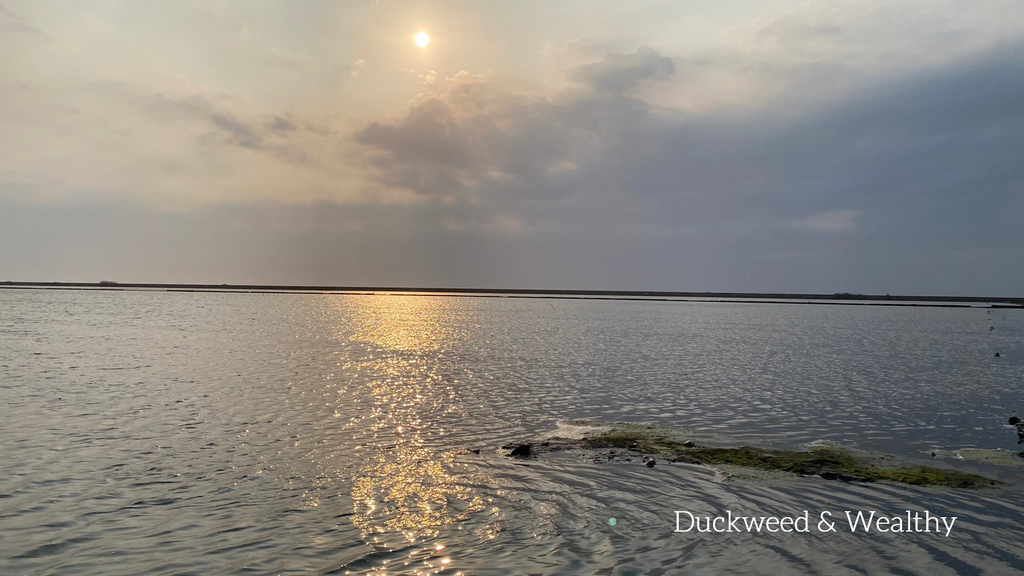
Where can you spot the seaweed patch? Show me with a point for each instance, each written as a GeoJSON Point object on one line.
{"type": "Point", "coordinates": [675, 445]}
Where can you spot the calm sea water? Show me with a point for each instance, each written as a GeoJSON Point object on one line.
{"type": "Point", "coordinates": [196, 433]}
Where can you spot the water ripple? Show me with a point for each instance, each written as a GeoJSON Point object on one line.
{"type": "Point", "coordinates": [172, 433]}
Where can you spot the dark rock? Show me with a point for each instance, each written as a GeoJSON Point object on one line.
{"type": "Point", "coordinates": [520, 450]}
{"type": "Point", "coordinates": [650, 463]}
{"type": "Point", "coordinates": [997, 354]}
{"type": "Point", "coordinates": [1014, 420]}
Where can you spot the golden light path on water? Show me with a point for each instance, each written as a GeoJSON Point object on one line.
{"type": "Point", "coordinates": [405, 485]}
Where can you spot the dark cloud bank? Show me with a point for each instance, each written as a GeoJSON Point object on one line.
{"type": "Point", "coordinates": [911, 184]}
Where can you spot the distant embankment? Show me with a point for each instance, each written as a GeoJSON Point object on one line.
{"type": "Point", "coordinates": [839, 298]}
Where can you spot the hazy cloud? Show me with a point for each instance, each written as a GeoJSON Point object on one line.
{"type": "Point", "coordinates": [355, 67]}
{"type": "Point", "coordinates": [238, 132]}
{"type": "Point", "coordinates": [620, 73]}
{"type": "Point", "coordinates": [280, 125]}
{"type": "Point", "coordinates": [12, 22]}
{"type": "Point", "coordinates": [467, 138]}
{"type": "Point", "coordinates": [472, 139]}
{"type": "Point", "coordinates": [912, 162]}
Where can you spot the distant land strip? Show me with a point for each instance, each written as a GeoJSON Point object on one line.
{"type": "Point", "coordinates": [645, 295]}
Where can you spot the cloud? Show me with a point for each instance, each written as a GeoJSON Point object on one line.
{"type": "Point", "coordinates": [429, 133]}
{"type": "Point", "coordinates": [466, 139]}
{"type": "Point", "coordinates": [356, 67]}
{"type": "Point", "coordinates": [180, 148]}
{"type": "Point", "coordinates": [199, 107]}
{"type": "Point", "coordinates": [12, 22]}
{"type": "Point", "coordinates": [823, 50]}
{"type": "Point", "coordinates": [238, 132]}
{"type": "Point", "coordinates": [913, 166]}
{"type": "Point", "coordinates": [274, 136]}
{"type": "Point", "coordinates": [280, 125]}
{"type": "Point", "coordinates": [620, 73]}
{"type": "Point", "coordinates": [463, 140]}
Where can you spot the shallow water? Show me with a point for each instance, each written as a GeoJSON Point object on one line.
{"type": "Point", "coordinates": [197, 433]}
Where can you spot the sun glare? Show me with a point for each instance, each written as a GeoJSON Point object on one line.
{"type": "Point", "coordinates": [421, 39]}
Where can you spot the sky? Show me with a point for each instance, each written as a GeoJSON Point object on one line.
{"type": "Point", "coordinates": [863, 146]}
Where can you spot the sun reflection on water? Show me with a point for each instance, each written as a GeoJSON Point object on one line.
{"type": "Point", "coordinates": [407, 323]}
{"type": "Point", "coordinates": [406, 489]}
{"type": "Point", "coordinates": [410, 491]}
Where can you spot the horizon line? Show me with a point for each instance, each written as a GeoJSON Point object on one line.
{"type": "Point", "coordinates": [513, 292]}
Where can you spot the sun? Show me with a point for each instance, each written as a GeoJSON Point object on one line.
{"type": "Point", "coordinates": [421, 39]}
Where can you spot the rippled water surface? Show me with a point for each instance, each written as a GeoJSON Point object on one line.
{"type": "Point", "coordinates": [206, 433]}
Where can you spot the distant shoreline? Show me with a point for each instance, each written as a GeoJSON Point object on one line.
{"type": "Point", "coordinates": [642, 295]}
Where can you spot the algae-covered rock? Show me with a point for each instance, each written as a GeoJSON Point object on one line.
{"type": "Point", "coordinates": [997, 457]}
{"type": "Point", "coordinates": [827, 461]}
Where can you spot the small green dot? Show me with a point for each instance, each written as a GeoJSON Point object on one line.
{"type": "Point", "coordinates": [612, 521]}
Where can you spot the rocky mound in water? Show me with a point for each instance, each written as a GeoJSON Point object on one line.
{"type": "Point", "coordinates": [675, 445]}
{"type": "Point", "coordinates": [1018, 425]}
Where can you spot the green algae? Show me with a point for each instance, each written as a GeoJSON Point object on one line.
{"type": "Point", "coordinates": [829, 462]}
